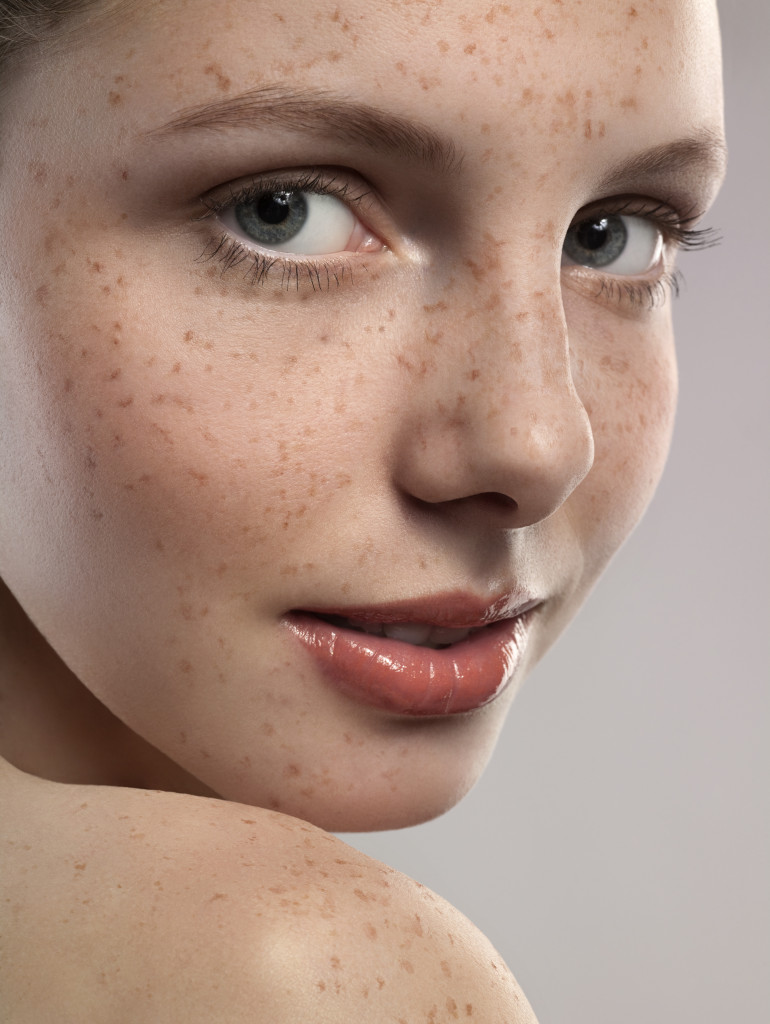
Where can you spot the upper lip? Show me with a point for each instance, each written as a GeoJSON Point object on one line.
{"type": "Point", "coordinates": [452, 610]}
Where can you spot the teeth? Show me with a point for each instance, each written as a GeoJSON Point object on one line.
{"type": "Point", "coordinates": [445, 635]}
{"type": "Point", "coordinates": [374, 628]}
{"type": "Point", "coordinates": [410, 632]}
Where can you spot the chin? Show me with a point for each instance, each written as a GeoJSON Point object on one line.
{"type": "Point", "coordinates": [374, 798]}
{"type": "Point", "coordinates": [379, 814]}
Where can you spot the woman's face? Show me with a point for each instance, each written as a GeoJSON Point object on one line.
{"type": "Point", "coordinates": [262, 453]}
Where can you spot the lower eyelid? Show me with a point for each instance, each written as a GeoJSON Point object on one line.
{"type": "Point", "coordinates": [630, 295]}
{"type": "Point", "coordinates": [285, 272]}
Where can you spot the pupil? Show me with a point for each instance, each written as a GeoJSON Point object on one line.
{"type": "Point", "coordinates": [273, 219]}
{"type": "Point", "coordinates": [592, 235]}
{"type": "Point", "coordinates": [274, 208]}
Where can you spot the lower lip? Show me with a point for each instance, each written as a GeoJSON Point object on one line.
{"type": "Point", "coordinates": [409, 680]}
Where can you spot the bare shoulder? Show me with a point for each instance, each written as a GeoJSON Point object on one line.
{"type": "Point", "coordinates": [125, 905]}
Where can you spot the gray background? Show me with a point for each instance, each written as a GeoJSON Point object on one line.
{"type": "Point", "coordinates": [616, 852]}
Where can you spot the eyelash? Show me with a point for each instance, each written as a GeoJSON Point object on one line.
{"type": "Point", "coordinates": [320, 274]}
{"type": "Point", "coordinates": [676, 233]}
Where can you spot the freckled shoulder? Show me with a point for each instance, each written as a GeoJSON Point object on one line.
{"type": "Point", "coordinates": [121, 906]}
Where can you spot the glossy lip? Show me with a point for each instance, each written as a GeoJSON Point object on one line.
{"type": "Point", "coordinates": [406, 679]}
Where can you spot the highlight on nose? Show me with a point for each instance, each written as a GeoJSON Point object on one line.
{"type": "Point", "coordinates": [514, 463]}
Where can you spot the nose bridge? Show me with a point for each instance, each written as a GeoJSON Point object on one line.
{"type": "Point", "coordinates": [503, 415]}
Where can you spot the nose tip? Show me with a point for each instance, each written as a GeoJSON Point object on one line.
{"type": "Point", "coordinates": [549, 455]}
{"type": "Point", "coordinates": [500, 427]}
{"type": "Point", "coordinates": [513, 462]}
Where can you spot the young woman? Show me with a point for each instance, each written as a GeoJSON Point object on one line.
{"type": "Point", "coordinates": [336, 362]}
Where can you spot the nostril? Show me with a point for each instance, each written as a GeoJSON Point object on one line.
{"type": "Point", "coordinates": [496, 501]}
{"type": "Point", "coordinates": [489, 502]}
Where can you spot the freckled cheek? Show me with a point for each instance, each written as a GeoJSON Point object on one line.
{"type": "Point", "coordinates": [198, 423]}
{"type": "Point", "coordinates": [630, 394]}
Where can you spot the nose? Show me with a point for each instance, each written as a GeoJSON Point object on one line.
{"type": "Point", "coordinates": [494, 423]}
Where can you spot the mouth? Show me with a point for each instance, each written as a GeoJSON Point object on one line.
{"type": "Point", "coordinates": [436, 638]}
{"type": "Point", "coordinates": [447, 655]}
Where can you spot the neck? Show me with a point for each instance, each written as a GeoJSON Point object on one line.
{"type": "Point", "coordinates": [53, 727]}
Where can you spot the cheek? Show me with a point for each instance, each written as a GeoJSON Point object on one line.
{"type": "Point", "coordinates": [627, 379]}
{"type": "Point", "coordinates": [143, 430]}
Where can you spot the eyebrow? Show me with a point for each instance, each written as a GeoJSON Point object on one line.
{"type": "Point", "coordinates": [705, 152]}
{"type": "Point", "coordinates": [320, 113]}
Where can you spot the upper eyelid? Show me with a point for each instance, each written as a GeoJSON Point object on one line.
{"type": "Point", "coordinates": [677, 225]}
{"type": "Point", "coordinates": [319, 180]}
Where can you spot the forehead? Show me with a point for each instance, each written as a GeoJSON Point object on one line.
{"type": "Point", "coordinates": [556, 90]}
{"type": "Point", "coordinates": [549, 61]}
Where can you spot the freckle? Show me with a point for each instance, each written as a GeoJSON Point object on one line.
{"type": "Point", "coordinates": [80, 867]}
{"type": "Point", "coordinates": [292, 770]}
{"type": "Point", "coordinates": [451, 1006]}
{"type": "Point", "coordinates": [587, 129]}
{"type": "Point", "coordinates": [223, 82]}
{"type": "Point", "coordinates": [186, 668]}
{"type": "Point", "coordinates": [39, 171]}
{"type": "Point", "coordinates": [629, 103]}
{"type": "Point", "coordinates": [469, 1009]}
{"type": "Point", "coordinates": [380, 982]}
{"type": "Point", "coordinates": [469, 49]}
{"type": "Point", "coordinates": [446, 969]}
{"type": "Point", "coordinates": [407, 965]}
{"type": "Point", "coordinates": [114, 98]}
{"type": "Point", "coordinates": [443, 45]}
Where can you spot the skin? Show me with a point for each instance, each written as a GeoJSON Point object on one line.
{"type": "Point", "coordinates": [186, 456]}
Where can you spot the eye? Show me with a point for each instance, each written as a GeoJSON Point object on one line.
{"type": "Point", "coordinates": [293, 221]}
{"type": "Point", "coordinates": [614, 243]}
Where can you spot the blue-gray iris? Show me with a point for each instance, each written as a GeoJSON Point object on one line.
{"type": "Point", "coordinates": [274, 218]}
{"type": "Point", "coordinates": [596, 241]}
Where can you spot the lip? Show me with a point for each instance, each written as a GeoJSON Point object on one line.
{"type": "Point", "coordinates": [406, 679]}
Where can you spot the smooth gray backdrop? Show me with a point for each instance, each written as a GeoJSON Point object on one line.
{"type": "Point", "coordinates": [617, 850]}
